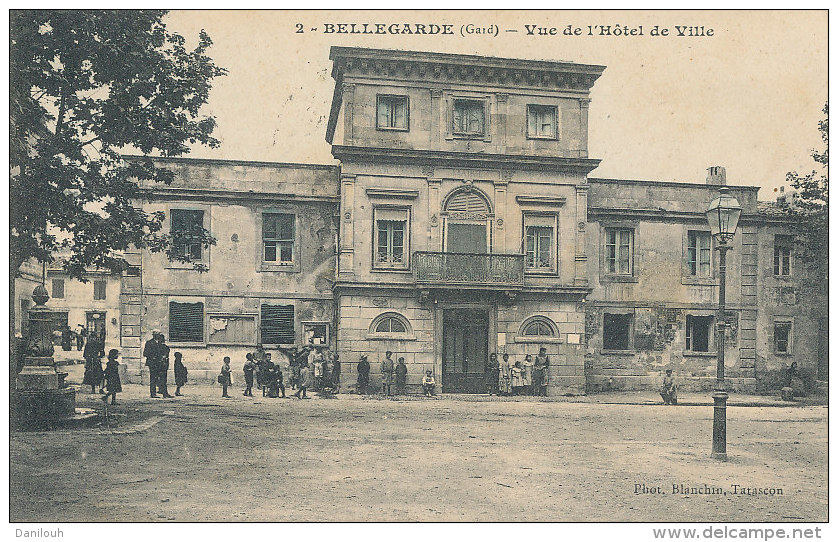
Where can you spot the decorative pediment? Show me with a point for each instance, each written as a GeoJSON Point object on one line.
{"type": "Point", "coordinates": [540, 201]}
{"type": "Point", "coordinates": [392, 193]}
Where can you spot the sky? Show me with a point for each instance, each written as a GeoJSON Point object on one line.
{"type": "Point", "coordinates": [747, 97]}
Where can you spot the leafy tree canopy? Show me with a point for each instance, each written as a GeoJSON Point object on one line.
{"type": "Point", "coordinates": [86, 86]}
{"type": "Point", "coordinates": [811, 209]}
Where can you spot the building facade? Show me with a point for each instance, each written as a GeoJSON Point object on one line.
{"type": "Point", "coordinates": [463, 220]}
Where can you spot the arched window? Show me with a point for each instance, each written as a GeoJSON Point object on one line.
{"type": "Point", "coordinates": [390, 325]}
{"type": "Point", "coordinates": [538, 327]}
{"type": "Point", "coordinates": [468, 217]}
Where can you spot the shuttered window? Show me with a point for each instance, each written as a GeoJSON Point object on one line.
{"type": "Point", "coordinates": [58, 288]}
{"type": "Point", "coordinates": [232, 329]}
{"type": "Point", "coordinates": [186, 322]}
{"type": "Point", "coordinates": [100, 288]}
{"type": "Point", "coordinates": [277, 324]}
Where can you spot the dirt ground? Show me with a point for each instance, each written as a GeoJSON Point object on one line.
{"type": "Point", "coordinates": [204, 458]}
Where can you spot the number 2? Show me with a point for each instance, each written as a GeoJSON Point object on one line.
{"type": "Point", "coordinates": [299, 28]}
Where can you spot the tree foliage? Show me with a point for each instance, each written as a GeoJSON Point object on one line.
{"type": "Point", "coordinates": [810, 208]}
{"type": "Point", "coordinates": [85, 86]}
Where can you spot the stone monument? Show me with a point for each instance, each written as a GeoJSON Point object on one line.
{"type": "Point", "coordinates": [43, 399]}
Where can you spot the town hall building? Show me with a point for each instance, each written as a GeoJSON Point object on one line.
{"type": "Point", "coordinates": [464, 219]}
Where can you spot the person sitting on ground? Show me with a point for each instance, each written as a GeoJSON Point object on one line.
{"type": "Point", "coordinates": [112, 382]}
{"type": "Point", "coordinates": [181, 374]}
{"type": "Point", "coordinates": [669, 391]}
{"type": "Point", "coordinates": [428, 383]}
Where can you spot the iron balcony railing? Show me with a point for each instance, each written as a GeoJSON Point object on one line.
{"type": "Point", "coordinates": [455, 268]}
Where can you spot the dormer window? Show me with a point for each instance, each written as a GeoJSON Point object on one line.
{"type": "Point", "coordinates": [392, 112]}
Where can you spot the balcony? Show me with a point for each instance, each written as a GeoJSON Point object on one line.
{"type": "Point", "coordinates": [468, 270]}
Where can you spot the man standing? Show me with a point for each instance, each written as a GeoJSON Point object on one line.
{"type": "Point", "coordinates": [363, 374]}
{"type": "Point", "coordinates": [387, 368]}
{"type": "Point", "coordinates": [493, 373]}
{"type": "Point", "coordinates": [401, 376]}
{"type": "Point", "coordinates": [151, 352]}
{"type": "Point", "coordinates": [163, 368]}
{"type": "Point", "coordinates": [539, 372]}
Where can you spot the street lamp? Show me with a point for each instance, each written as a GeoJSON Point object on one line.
{"type": "Point", "coordinates": [723, 216]}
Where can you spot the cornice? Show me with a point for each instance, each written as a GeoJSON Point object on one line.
{"type": "Point", "coordinates": [226, 196]}
{"type": "Point", "coordinates": [348, 153]}
{"type": "Point", "coordinates": [509, 72]}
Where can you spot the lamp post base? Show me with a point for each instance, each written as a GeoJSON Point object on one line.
{"type": "Point", "coordinates": [719, 426]}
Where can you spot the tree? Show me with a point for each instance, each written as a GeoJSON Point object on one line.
{"type": "Point", "coordinates": [85, 86]}
{"type": "Point", "coordinates": [810, 211]}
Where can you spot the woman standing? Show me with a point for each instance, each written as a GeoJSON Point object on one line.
{"type": "Point", "coordinates": [112, 381]}
{"type": "Point", "coordinates": [225, 378]}
{"type": "Point", "coordinates": [180, 372]}
{"type": "Point", "coordinates": [93, 364]}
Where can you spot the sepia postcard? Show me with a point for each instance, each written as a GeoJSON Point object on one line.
{"type": "Point", "coordinates": [514, 266]}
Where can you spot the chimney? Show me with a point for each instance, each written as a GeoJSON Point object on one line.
{"type": "Point", "coordinates": [716, 175]}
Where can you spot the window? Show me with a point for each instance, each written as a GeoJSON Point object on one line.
{"type": "Point", "coordinates": [541, 122]}
{"type": "Point", "coordinates": [58, 288]}
{"type": "Point", "coordinates": [539, 249]}
{"type": "Point", "coordinates": [186, 322]}
{"type": "Point", "coordinates": [469, 117]}
{"type": "Point", "coordinates": [392, 112]}
{"type": "Point", "coordinates": [100, 289]}
{"type": "Point", "coordinates": [391, 237]}
{"type": "Point", "coordinates": [390, 325]}
{"type": "Point", "coordinates": [616, 331]}
{"type": "Point", "coordinates": [782, 337]}
{"type": "Point", "coordinates": [619, 250]}
{"type": "Point", "coordinates": [782, 255]}
{"type": "Point", "coordinates": [232, 329]}
{"type": "Point", "coordinates": [698, 253]}
{"type": "Point", "coordinates": [316, 332]}
{"type": "Point", "coordinates": [538, 327]}
{"type": "Point", "coordinates": [699, 331]}
{"type": "Point", "coordinates": [278, 237]}
{"type": "Point", "coordinates": [187, 225]}
{"type": "Point", "coordinates": [390, 248]}
{"type": "Point", "coordinates": [278, 324]}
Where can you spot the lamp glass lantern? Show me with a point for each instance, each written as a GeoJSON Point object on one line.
{"type": "Point", "coordinates": [723, 215]}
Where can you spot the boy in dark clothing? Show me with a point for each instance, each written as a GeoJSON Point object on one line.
{"type": "Point", "coordinates": [249, 368]}
{"type": "Point", "coordinates": [180, 373]}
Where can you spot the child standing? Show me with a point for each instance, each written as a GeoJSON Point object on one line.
{"type": "Point", "coordinates": [225, 378]}
{"type": "Point", "coordinates": [180, 372]}
{"type": "Point", "coordinates": [428, 384]}
{"type": "Point", "coordinates": [305, 381]}
{"type": "Point", "coordinates": [249, 368]}
{"type": "Point", "coordinates": [112, 381]}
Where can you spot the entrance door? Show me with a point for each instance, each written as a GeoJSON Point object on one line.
{"type": "Point", "coordinates": [96, 324]}
{"type": "Point", "coordinates": [465, 345]}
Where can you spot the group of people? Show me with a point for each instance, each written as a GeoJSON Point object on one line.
{"type": "Point", "coordinates": [68, 337]}
{"type": "Point", "coordinates": [108, 378]}
{"type": "Point", "coordinates": [312, 367]}
{"type": "Point", "coordinates": [520, 378]}
{"type": "Point", "coordinates": [391, 373]}
{"type": "Point", "coordinates": [156, 354]}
